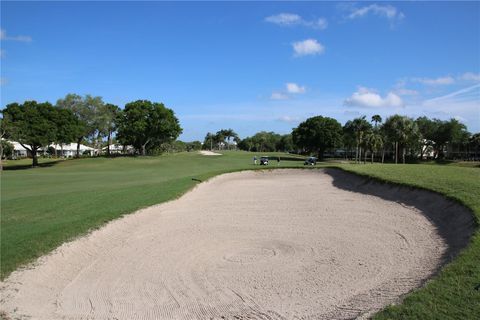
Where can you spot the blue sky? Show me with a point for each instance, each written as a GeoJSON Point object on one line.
{"type": "Point", "coordinates": [249, 66]}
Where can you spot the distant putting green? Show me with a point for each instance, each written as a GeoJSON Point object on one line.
{"type": "Point", "coordinates": [44, 207]}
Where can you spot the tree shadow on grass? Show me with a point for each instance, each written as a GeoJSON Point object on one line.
{"type": "Point", "coordinates": [29, 166]}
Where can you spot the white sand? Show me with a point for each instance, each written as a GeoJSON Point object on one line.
{"type": "Point", "coordinates": [209, 153]}
{"type": "Point", "coordinates": [285, 244]}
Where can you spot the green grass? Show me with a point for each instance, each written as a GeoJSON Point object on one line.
{"type": "Point", "coordinates": [44, 207]}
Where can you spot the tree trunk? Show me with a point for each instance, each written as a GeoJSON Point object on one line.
{"type": "Point", "coordinates": [383, 154]}
{"type": "Point", "coordinates": [109, 141]}
{"type": "Point", "coordinates": [403, 155]}
{"type": "Point", "coordinates": [1, 155]}
{"type": "Point", "coordinates": [34, 157]}
{"type": "Point", "coordinates": [61, 148]}
{"type": "Point", "coordinates": [365, 157]}
{"type": "Point", "coordinates": [396, 152]}
{"type": "Point", "coordinates": [356, 153]}
{"type": "Point", "coordinates": [78, 147]}
{"type": "Point", "coordinates": [320, 155]}
{"type": "Point", "coordinates": [144, 148]}
{"type": "Point", "coordinates": [372, 156]}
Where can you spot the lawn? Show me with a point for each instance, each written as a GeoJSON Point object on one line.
{"type": "Point", "coordinates": [46, 206]}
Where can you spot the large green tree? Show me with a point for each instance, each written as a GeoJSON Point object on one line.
{"type": "Point", "coordinates": [146, 125]}
{"type": "Point", "coordinates": [441, 135]}
{"type": "Point", "coordinates": [474, 144]}
{"type": "Point", "coordinates": [68, 127]}
{"type": "Point", "coordinates": [285, 143]}
{"type": "Point", "coordinates": [262, 141]}
{"type": "Point", "coordinates": [87, 110]}
{"type": "Point", "coordinates": [450, 133]}
{"type": "Point", "coordinates": [428, 129]}
{"type": "Point", "coordinates": [107, 122]}
{"type": "Point", "coordinates": [317, 134]}
{"type": "Point", "coordinates": [33, 125]}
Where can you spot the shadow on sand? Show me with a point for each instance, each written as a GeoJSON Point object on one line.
{"type": "Point", "coordinates": [455, 223]}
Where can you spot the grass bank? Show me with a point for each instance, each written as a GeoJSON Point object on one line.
{"type": "Point", "coordinates": [455, 292]}
{"type": "Point", "coordinates": [44, 207]}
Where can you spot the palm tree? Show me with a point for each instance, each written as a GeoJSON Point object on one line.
{"type": "Point", "coordinates": [374, 142]}
{"type": "Point", "coordinates": [376, 119]}
{"type": "Point", "coordinates": [360, 126]}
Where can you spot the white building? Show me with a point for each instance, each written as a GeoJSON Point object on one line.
{"type": "Point", "coordinates": [70, 150]}
{"type": "Point", "coordinates": [18, 150]}
{"type": "Point", "coordinates": [119, 149]}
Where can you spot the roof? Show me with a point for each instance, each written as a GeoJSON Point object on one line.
{"type": "Point", "coordinates": [16, 146]}
{"type": "Point", "coordinates": [72, 146]}
{"type": "Point", "coordinates": [66, 147]}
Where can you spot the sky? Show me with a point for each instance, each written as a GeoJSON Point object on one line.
{"type": "Point", "coordinates": [249, 66]}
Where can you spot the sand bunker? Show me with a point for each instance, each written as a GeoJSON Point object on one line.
{"type": "Point", "coordinates": [209, 153]}
{"type": "Point", "coordinates": [282, 244]}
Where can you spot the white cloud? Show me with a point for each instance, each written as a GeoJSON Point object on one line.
{"type": "Point", "coordinates": [406, 92]}
{"type": "Point", "coordinates": [294, 88]}
{"type": "Point", "coordinates": [435, 81]}
{"type": "Point", "coordinates": [278, 96]}
{"type": "Point", "coordinates": [470, 76]}
{"type": "Point", "coordinates": [462, 104]}
{"type": "Point", "coordinates": [284, 19]}
{"type": "Point", "coordinates": [462, 93]}
{"type": "Point", "coordinates": [289, 119]}
{"type": "Point", "coordinates": [321, 24]}
{"type": "Point", "coordinates": [387, 11]}
{"type": "Point", "coordinates": [307, 47]}
{"type": "Point", "coordinates": [368, 98]}
{"type": "Point", "coordinates": [460, 119]}
{"type": "Point", "coordinates": [290, 19]}
{"type": "Point", "coordinates": [401, 90]}
{"type": "Point", "coordinates": [4, 36]}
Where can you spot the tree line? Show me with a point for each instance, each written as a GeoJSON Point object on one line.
{"type": "Point", "coordinates": [398, 138]}
{"type": "Point", "coordinates": [152, 128]}
{"type": "Point", "coordinates": [145, 125]}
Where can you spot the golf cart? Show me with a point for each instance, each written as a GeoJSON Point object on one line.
{"type": "Point", "coordinates": [264, 161]}
{"type": "Point", "coordinates": [310, 161]}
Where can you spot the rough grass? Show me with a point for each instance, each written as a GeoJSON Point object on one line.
{"type": "Point", "coordinates": [46, 206]}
